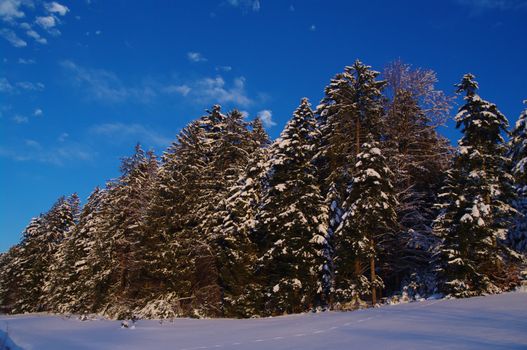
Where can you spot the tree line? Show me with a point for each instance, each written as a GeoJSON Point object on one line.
{"type": "Point", "coordinates": [359, 199]}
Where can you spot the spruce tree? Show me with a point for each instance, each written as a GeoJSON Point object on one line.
{"type": "Point", "coordinates": [369, 220]}
{"type": "Point", "coordinates": [197, 172]}
{"type": "Point", "coordinates": [80, 262]}
{"type": "Point", "coordinates": [124, 231]}
{"type": "Point", "coordinates": [57, 289]}
{"type": "Point", "coordinates": [517, 237]}
{"type": "Point", "coordinates": [293, 220]}
{"type": "Point", "coordinates": [11, 278]}
{"type": "Point", "coordinates": [351, 109]}
{"type": "Point", "coordinates": [473, 221]}
{"type": "Point", "coordinates": [237, 243]}
{"type": "Point", "coordinates": [37, 260]}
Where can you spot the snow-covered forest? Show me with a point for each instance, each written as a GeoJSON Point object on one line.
{"type": "Point", "coordinates": [359, 201]}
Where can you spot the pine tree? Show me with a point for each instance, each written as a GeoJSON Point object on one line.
{"type": "Point", "coordinates": [293, 220]}
{"type": "Point", "coordinates": [351, 109]}
{"type": "Point", "coordinates": [27, 271]}
{"type": "Point", "coordinates": [237, 245]}
{"type": "Point", "coordinates": [60, 275]}
{"type": "Point", "coordinates": [474, 215]}
{"type": "Point", "coordinates": [79, 262]}
{"type": "Point", "coordinates": [124, 231]}
{"type": "Point", "coordinates": [369, 219]}
{"type": "Point", "coordinates": [197, 173]}
{"type": "Point", "coordinates": [10, 281]}
{"type": "Point", "coordinates": [36, 262]}
{"type": "Point", "coordinates": [518, 152]}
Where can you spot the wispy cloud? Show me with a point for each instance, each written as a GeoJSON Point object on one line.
{"type": "Point", "coordinates": [177, 89]}
{"type": "Point", "coordinates": [23, 15]}
{"type": "Point", "coordinates": [121, 132]}
{"type": "Point", "coordinates": [27, 85]}
{"type": "Point", "coordinates": [39, 39]}
{"type": "Point", "coordinates": [313, 28]}
{"type": "Point", "coordinates": [7, 87]}
{"type": "Point", "coordinates": [11, 10]}
{"type": "Point", "coordinates": [49, 23]}
{"type": "Point", "coordinates": [246, 5]}
{"type": "Point", "coordinates": [195, 57]}
{"type": "Point", "coordinates": [26, 61]}
{"type": "Point", "coordinates": [224, 68]}
{"type": "Point", "coordinates": [104, 85]}
{"type": "Point", "coordinates": [266, 116]}
{"type": "Point", "coordinates": [479, 6]}
{"type": "Point", "coordinates": [46, 22]}
{"type": "Point", "coordinates": [55, 7]}
{"type": "Point", "coordinates": [63, 137]}
{"type": "Point", "coordinates": [13, 38]}
{"type": "Point", "coordinates": [20, 119]}
{"type": "Point", "coordinates": [32, 151]}
{"type": "Point", "coordinates": [216, 90]}
{"type": "Point", "coordinates": [38, 112]}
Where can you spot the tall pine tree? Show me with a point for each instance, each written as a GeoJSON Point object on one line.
{"type": "Point", "coordinates": [368, 221]}
{"type": "Point", "coordinates": [293, 220]}
{"type": "Point", "coordinates": [472, 224]}
{"type": "Point", "coordinates": [518, 152]}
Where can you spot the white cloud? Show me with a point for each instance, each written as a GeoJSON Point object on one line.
{"type": "Point", "coordinates": [33, 34]}
{"type": "Point", "coordinates": [46, 15]}
{"type": "Point", "coordinates": [26, 61]}
{"type": "Point", "coordinates": [32, 150]}
{"type": "Point", "coordinates": [120, 132]}
{"type": "Point", "coordinates": [46, 22]}
{"type": "Point", "coordinates": [313, 28]}
{"type": "Point", "coordinates": [55, 7]}
{"type": "Point", "coordinates": [224, 68]}
{"type": "Point", "coordinates": [98, 32]}
{"type": "Point", "coordinates": [5, 85]}
{"type": "Point", "coordinates": [195, 57]}
{"type": "Point", "coordinates": [38, 112]}
{"type": "Point", "coordinates": [266, 116]}
{"type": "Point", "coordinates": [32, 143]}
{"type": "Point", "coordinates": [10, 10]}
{"type": "Point", "coordinates": [483, 5]}
{"type": "Point", "coordinates": [105, 86]}
{"type": "Point", "coordinates": [179, 89]}
{"type": "Point", "coordinates": [246, 5]}
{"type": "Point", "coordinates": [20, 119]}
{"type": "Point", "coordinates": [27, 85]}
{"type": "Point", "coordinates": [11, 36]}
{"type": "Point", "coordinates": [63, 137]}
{"type": "Point", "coordinates": [215, 90]}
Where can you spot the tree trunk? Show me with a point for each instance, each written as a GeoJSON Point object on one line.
{"type": "Point", "coordinates": [373, 278]}
{"type": "Point", "coordinates": [358, 267]}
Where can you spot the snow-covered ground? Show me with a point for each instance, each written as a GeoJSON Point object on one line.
{"type": "Point", "coordinates": [492, 322]}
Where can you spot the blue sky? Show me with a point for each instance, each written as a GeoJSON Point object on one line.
{"type": "Point", "coordinates": [82, 81]}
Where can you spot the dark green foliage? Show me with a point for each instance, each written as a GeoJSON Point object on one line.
{"type": "Point", "coordinates": [474, 206]}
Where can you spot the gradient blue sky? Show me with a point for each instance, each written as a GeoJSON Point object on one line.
{"type": "Point", "coordinates": [82, 81]}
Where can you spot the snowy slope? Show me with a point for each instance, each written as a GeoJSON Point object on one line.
{"type": "Point", "coordinates": [493, 322]}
